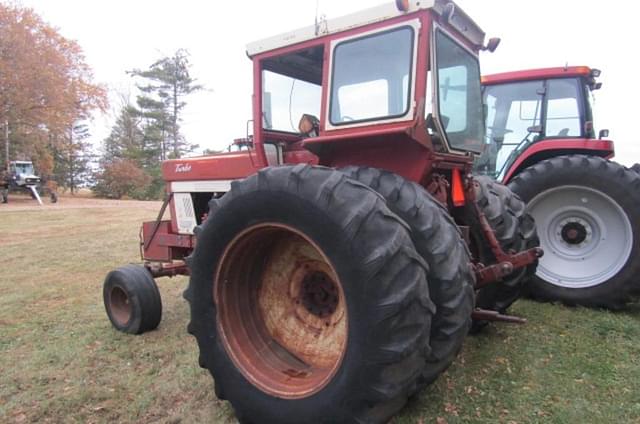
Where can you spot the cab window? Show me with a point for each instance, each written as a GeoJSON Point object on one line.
{"type": "Point", "coordinates": [371, 77]}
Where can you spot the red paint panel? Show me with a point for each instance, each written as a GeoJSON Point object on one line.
{"type": "Point", "coordinates": [300, 156]}
{"type": "Point", "coordinates": [349, 134]}
{"type": "Point", "coordinates": [534, 74]}
{"type": "Point", "coordinates": [400, 155]}
{"type": "Point", "coordinates": [216, 167]}
{"type": "Point", "coordinates": [604, 147]}
{"type": "Point", "coordinates": [155, 251]}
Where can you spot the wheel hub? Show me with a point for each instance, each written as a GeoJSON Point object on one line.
{"type": "Point", "coordinates": [120, 305]}
{"type": "Point", "coordinates": [319, 294]}
{"type": "Point", "coordinates": [575, 231]}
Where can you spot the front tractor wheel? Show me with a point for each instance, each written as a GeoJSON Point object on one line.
{"type": "Point", "coordinates": [588, 214]}
{"type": "Point", "coordinates": [308, 300]}
{"type": "Point", "coordinates": [132, 299]}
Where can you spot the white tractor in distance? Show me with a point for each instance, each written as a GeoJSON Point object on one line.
{"type": "Point", "coordinates": [21, 176]}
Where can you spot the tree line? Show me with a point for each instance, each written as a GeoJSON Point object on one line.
{"type": "Point", "coordinates": [47, 96]}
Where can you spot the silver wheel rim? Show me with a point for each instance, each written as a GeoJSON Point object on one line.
{"type": "Point", "coordinates": [586, 236]}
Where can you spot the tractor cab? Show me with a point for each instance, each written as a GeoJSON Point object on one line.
{"type": "Point", "coordinates": [386, 87]}
{"type": "Point", "coordinates": [22, 173]}
{"type": "Point", "coordinates": [532, 114]}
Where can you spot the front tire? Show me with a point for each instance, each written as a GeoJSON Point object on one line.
{"type": "Point", "coordinates": [308, 300]}
{"type": "Point", "coordinates": [132, 299]}
{"type": "Point", "coordinates": [588, 214]}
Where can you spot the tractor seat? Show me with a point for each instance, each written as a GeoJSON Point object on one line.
{"type": "Point", "coordinates": [309, 126]}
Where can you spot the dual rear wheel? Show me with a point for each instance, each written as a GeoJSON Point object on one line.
{"type": "Point", "coordinates": [312, 300]}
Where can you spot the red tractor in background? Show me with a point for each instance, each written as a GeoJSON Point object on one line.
{"type": "Point", "coordinates": [542, 143]}
{"type": "Point", "coordinates": [335, 266]}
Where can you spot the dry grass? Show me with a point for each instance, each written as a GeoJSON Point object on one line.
{"type": "Point", "coordinates": [62, 361]}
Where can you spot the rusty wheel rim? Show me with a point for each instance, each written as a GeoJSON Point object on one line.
{"type": "Point", "coordinates": [281, 311]}
{"type": "Point", "coordinates": [120, 305]}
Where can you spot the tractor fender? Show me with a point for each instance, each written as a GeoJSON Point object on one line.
{"type": "Point", "coordinates": [550, 148]}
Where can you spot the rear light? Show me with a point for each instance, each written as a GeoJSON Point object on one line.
{"type": "Point", "coordinates": [402, 5]}
{"type": "Point", "coordinates": [457, 188]}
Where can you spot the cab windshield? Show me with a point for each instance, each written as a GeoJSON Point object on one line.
{"type": "Point", "coordinates": [522, 113]}
{"type": "Point", "coordinates": [459, 95]}
{"type": "Point", "coordinates": [22, 168]}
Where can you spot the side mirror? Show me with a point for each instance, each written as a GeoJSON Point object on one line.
{"type": "Point", "coordinates": [492, 45]}
{"type": "Point", "coordinates": [603, 134]}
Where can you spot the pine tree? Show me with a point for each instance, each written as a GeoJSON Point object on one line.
{"type": "Point", "coordinates": [126, 140]}
{"type": "Point", "coordinates": [166, 83]}
{"type": "Point", "coordinates": [72, 156]}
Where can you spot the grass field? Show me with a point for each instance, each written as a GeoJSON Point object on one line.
{"type": "Point", "coordinates": [61, 362]}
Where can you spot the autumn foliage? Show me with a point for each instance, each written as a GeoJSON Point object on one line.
{"type": "Point", "coordinates": [45, 87]}
{"type": "Point", "coordinates": [122, 178]}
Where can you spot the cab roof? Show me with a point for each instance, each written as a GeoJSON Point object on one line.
{"type": "Point", "coordinates": [460, 21]}
{"type": "Point", "coordinates": [536, 74]}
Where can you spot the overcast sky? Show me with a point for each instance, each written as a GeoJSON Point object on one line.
{"type": "Point", "coordinates": [119, 35]}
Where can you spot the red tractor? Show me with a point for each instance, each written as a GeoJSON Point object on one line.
{"type": "Point", "coordinates": [542, 143]}
{"type": "Point", "coordinates": [334, 265]}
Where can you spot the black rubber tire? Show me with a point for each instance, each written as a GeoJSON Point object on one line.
{"type": "Point", "coordinates": [384, 283]}
{"type": "Point", "coordinates": [636, 168]}
{"type": "Point", "coordinates": [621, 185]}
{"type": "Point", "coordinates": [515, 230]}
{"type": "Point", "coordinates": [143, 296]}
{"type": "Point", "coordinates": [438, 240]}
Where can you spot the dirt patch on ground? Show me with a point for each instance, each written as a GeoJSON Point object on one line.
{"type": "Point", "coordinates": [26, 203]}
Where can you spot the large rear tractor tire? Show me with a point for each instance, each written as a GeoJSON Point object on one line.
{"type": "Point", "coordinates": [514, 229]}
{"type": "Point", "coordinates": [308, 300]}
{"type": "Point", "coordinates": [588, 214]}
{"type": "Point", "coordinates": [439, 242]}
{"type": "Point", "coordinates": [132, 299]}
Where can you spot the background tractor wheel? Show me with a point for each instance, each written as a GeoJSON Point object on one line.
{"type": "Point", "coordinates": [588, 214]}
{"type": "Point", "coordinates": [439, 242]}
{"type": "Point", "coordinates": [308, 300]}
{"type": "Point", "coordinates": [515, 230]}
{"type": "Point", "coordinates": [132, 299]}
